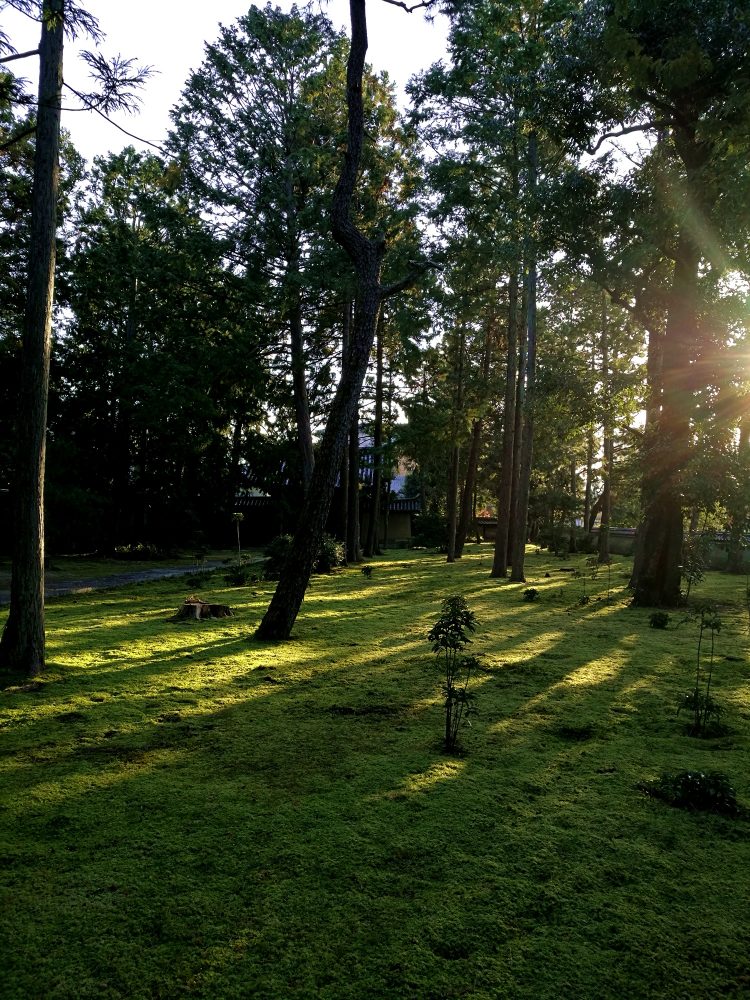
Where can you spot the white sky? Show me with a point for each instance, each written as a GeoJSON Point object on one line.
{"type": "Point", "coordinates": [170, 36]}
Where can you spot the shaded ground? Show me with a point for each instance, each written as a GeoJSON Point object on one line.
{"type": "Point", "coordinates": [82, 586]}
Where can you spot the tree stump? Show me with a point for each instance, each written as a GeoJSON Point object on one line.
{"type": "Point", "coordinates": [194, 609]}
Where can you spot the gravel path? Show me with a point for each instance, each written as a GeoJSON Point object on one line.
{"type": "Point", "coordinates": [61, 587]}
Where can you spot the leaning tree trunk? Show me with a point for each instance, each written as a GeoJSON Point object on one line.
{"type": "Point", "coordinates": [366, 256]}
{"type": "Point", "coordinates": [22, 644]}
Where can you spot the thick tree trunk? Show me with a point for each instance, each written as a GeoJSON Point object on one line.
{"type": "Point", "coordinates": [344, 475]}
{"type": "Point", "coordinates": [22, 644]}
{"type": "Point", "coordinates": [657, 582]}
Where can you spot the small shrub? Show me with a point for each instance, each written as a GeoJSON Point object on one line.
{"type": "Point", "coordinates": [449, 635]}
{"type": "Point", "coordinates": [695, 790]}
{"type": "Point", "coordinates": [332, 553]}
{"type": "Point", "coordinates": [276, 553]}
{"type": "Point", "coordinates": [199, 579]}
{"type": "Point", "coordinates": [138, 551]}
{"type": "Point", "coordinates": [530, 594]}
{"type": "Point", "coordinates": [659, 619]}
{"type": "Point", "coordinates": [240, 576]}
{"type": "Point", "coordinates": [705, 709]}
{"type": "Point", "coordinates": [367, 571]}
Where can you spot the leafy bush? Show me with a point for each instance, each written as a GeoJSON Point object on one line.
{"type": "Point", "coordinates": [200, 578]}
{"type": "Point", "coordinates": [448, 636]}
{"type": "Point", "coordinates": [530, 594]}
{"type": "Point", "coordinates": [696, 790]}
{"type": "Point", "coordinates": [658, 619]}
{"type": "Point", "coordinates": [276, 552]}
{"type": "Point", "coordinates": [240, 576]}
{"type": "Point", "coordinates": [138, 551]}
{"type": "Point", "coordinates": [332, 553]}
{"type": "Point", "coordinates": [367, 571]}
{"type": "Point", "coordinates": [430, 532]}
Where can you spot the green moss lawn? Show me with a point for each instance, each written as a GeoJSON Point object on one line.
{"type": "Point", "coordinates": [187, 813]}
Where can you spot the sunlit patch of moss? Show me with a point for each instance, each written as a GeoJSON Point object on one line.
{"type": "Point", "coordinates": [186, 811]}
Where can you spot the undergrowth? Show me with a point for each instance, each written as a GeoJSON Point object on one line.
{"type": "Point", "coordinates": [187, 812]}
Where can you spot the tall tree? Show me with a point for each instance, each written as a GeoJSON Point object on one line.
{"type": "Point", "coordinates": [366, 254]}
{"type": "Point", "coordinates": [680, 70]}
{"type": "Point", "coordinates": [22, 642]}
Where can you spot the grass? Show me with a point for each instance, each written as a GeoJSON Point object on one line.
{"type": "Point", "coordinates": [185, 812]}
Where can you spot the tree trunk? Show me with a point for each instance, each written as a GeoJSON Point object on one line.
{"type": "Point", "coordinates": [657, 580]}
{"type": "Point", "coordinates": [572, 540]}
{"type": "Point", "coordinates": [299, 386]}
{"type": "Point", "coordinates": [353, 541]}
{"type": "Point", "coordinates": [472, 462]}
{"type": "Point", "coordinates": [344, 474]}
{"type": "Point", "coordinates": [22, 644]}
{"type": "Point", "coordinates": [607, 447]}
{"type": "Point", "coordinates": [366, 255]}
{"type": "Point", "coordinates": [588, 489]}
{"type": "Point", "coordinates": [372, 545]}
{"type": "Point", "coordinates": [458, 406]}
{"type": "Point", "coordinates": [518, 552]}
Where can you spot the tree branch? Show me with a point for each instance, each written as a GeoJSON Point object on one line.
{"type": "Point", "coordinates": [625, 131]}
{"type": "Point", "coordinates": [410, 8]}
{"type": "Point", "coordinates": [17, 138]}
{"type": "Point", "coordinates": [20, 55]}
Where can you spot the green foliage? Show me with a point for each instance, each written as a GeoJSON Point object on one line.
{"type": "Point", "coordinates": [530, 594]}
{"type": "Point", "coordinates": [449, 635]}
{"type": "Point", "coordinates": [430, 532]}
{"type": "Point", "coordinates": [332, 553]}
{"type": "Point", "coordinates": [705, 710]}
{"type": "Point", "coordinates": [276, 553]}
{"type": "Point", "coordinates": [139, 550]}
{"type": "Point", "coordinates": [367, 572]}
{"type": "Point", "coordinates": [697, 791]}
{"type": "Point", "coordinates": [695, 553]}
{"type": "Point", "coordinates": [240, 576]}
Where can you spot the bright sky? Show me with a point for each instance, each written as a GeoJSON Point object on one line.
{"type": "Point", "coordinates": [170, 36]}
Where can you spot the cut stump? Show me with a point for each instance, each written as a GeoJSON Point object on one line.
{"type": "Point", "coordinates": [194, 609]}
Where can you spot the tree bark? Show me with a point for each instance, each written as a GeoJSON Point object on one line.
{"type": "Point", "coordinates": [607, 448]}
{"type": "Point", "coordinates": [366, 255]}
{"type": "Point", "coordinates": [505, 493]}
{"type": "Point", "coordinates": [22, 644]}
{"type": "Point", "coordinates": [372, 545]}
{"type": "Point", "coordinates": [458, 406]}
{"type": "Point", "coordinates": [527, 447]}
{"type": "Point", "coordinates": [472, 461]}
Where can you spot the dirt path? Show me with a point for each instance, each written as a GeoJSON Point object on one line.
{"type": "Point", "coordinates": [75, 586]}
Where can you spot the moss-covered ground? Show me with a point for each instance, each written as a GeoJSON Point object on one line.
{"type": "Point", "coordinates": [185, 812]}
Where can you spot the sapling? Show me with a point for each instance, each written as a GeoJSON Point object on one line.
{"type": "Point", "coordinates": [700, 701]}
{"type": "Point", "coordinates": [449, 636]}
{"type": "Point", "coordinates": [238, 518]}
